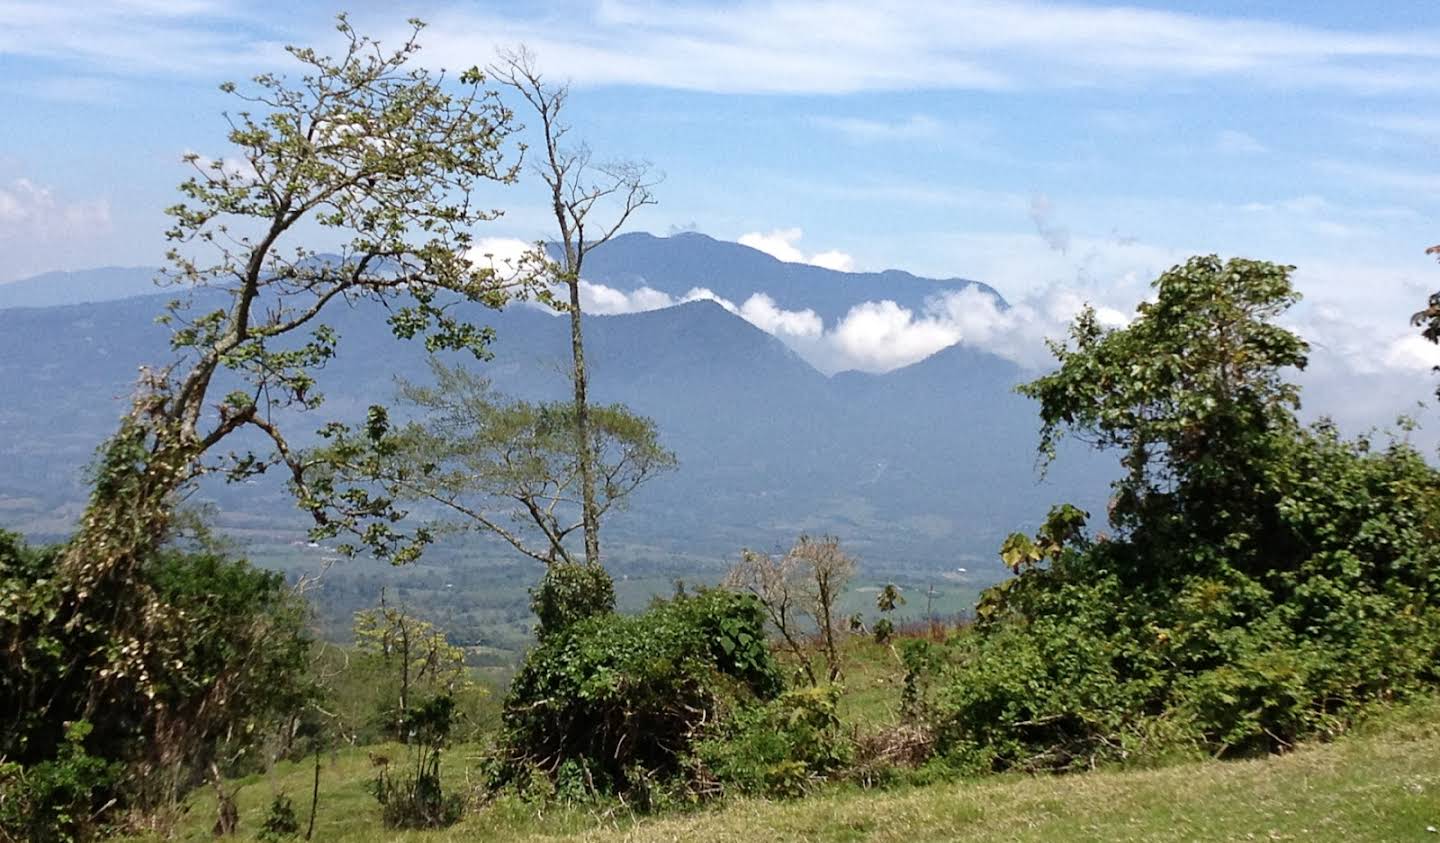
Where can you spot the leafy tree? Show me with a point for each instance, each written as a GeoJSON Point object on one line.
{"type": "Point", "coordinates": [417, 799]}
{"type": "Point", "coordinates": [414, 656]}
{"type": "Point", "coordinates": [1428, 320]}
{"type": "Point", "coordinates": [1192, 392]}
{"type": "Point", "coordinates": [579, 189]}
{"type": "Point", "coordinates": [489, 462]}
{"type": "Point", "coordinates": [1264, 583]}
{"type": "Point", "coordinates": [886, 601]}
{"type": "Point", "coordinates": [378, 158]}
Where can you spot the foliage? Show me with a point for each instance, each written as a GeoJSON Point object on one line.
{"type": "Point", "coordinates": [58, 799]}
{"type": "Point", "coordinates": [417, 799]}
{"type": "Point", "coordinates": [215, 692]}
{"type": "Point", "coordinates": [413, 658]}
{"type": "Point", "coordinates": [489, 462]}
{"type": "Point", "coordinates": [1265, 583]}
{"type": "Point", "coordinates": [280, 821]}
{"type": "Point", "coordinates": [888, 600]}
{"type": "Point", "coordinates": [383, 157]}
{"type": "Point", "coordinates": [622, 698]}
{"type": "Point", "coordinates": [804, 585]}
{"type": "Point", "coordinates": [569, 593]}
{"type": "Point", "coordinates": [779, 748]}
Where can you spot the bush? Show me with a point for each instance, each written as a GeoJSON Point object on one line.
{"type": "Point", "coordinates": [569, 593]}
{"type": "Point", "coordinates": [419, 800]}
{"type": "Point", "coordinates": [281, 822]}
{"type": "Point", "coordinates": [59, 799]}
{"type": "Point", "coordinates": [208, 687]}
{"type": "Point", "coordinates": [621, 699]}
{"type": "Point", "coordinates": [779, 748]}
{"type": "Point", "coordinates": [1108, 653]}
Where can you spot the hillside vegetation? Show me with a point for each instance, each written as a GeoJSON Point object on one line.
{"type": "Point", "coordinates": [1245, 643]}
{"type": "Point", "coordinates": [1382, 783]}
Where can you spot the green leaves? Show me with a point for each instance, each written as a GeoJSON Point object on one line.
{"type": "Point", "coordinates": [1192, 393]}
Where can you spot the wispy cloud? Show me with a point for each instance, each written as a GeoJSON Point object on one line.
{"type": "Point", "coordinates": [861, 130]}
{"type": "Point", "coordinates": [838, 46]}
{"type": "Point", "coordinates": [134, 37]}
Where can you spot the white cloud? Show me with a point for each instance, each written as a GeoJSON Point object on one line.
{"type": "Point", "coordinates": [861, 130]}
{"type": "Point", "coordinates": [31, 211]}
{"type": "Point", "coordinates": [134, 36]}
{"type": "Point", "coordinates": [780, 244]}
{"type": "Point", "coordinates": [836, 260]}
{"type": "Point", "coordinates": [842, 46]}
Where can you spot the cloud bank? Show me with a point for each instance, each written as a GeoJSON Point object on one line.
{"type": "Point", "coordinates": [780, 244]}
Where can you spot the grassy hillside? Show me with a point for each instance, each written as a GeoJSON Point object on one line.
{"type": "Point", "coordinates": [1382, 783]}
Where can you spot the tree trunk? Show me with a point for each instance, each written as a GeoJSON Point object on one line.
{"type": "Point", "coordinates": [589, 508]}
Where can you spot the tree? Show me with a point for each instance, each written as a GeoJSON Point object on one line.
{"type": "Point", "coordinates": [887, 600]}
{"type": "Point", "coordinates": [376, 158]}
{"type": "Point", "coordinates": [579, 189]}
{"type": "Point", "coordinates": [1193, 392]}
{"type": "Point", "coordinates": [490, 462]}
{"type": "Point", "coordinates": [412, 654]}
{"type": "Point", "coordinates": [805, 584]}
{"type": "Point", "coordinates": [1265, 582]}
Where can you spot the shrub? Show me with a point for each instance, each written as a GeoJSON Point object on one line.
{"type": "Point", "coordinates": [1265, 582]}
{"type": "Point", "coordinates": [281, 822]}
{"type": "Point", "coordinates": [1102, 651]}
{"type": "Point", "coordinates": [59, 799]}
{"type": "Point", "coordinates": [418, 799]}
{"type": "Point", "coordinates": [779, 748]}
{"type": "Point", "coordinates": [215, 685]}
{"type": "Point", "coordinates": [620, 698]}
{"type": "Point", "coordinates": [569, 593]}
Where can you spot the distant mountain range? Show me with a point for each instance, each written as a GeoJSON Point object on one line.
{"type": "Point", "coordinates": [925, 467]}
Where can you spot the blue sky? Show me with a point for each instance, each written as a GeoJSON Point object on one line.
{"type": "Point", "coordinates": [1057, 151]}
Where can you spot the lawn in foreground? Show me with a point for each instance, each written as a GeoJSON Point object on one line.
{"type": "Point", "coordinates": [1381, 784]}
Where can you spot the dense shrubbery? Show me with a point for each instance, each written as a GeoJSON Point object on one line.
{"type": "Point", "coordinates": [779, 748]}
{"type": "Point", "coordinates": [217, 688]}
{"type": "Point", "coordinates": [1265, 580]}
{"type": "Point", "coordinates": [618, 701]}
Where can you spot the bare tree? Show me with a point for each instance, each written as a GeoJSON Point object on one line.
{"type": "Point", "coordinates": [799, 588]}
{"type": "Point", "coordinates": [827, 569]}
{"type": "Point", "coordinates": [580, 190]}
{"type": "Point", "coordinates": [775, 583]}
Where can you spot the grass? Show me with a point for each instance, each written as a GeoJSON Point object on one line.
{"type": "Point", "coordinates": [1381, 783]}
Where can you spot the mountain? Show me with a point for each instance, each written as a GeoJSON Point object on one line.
{"type": "Point", "coordinates": [91, 285]}
{"type": "Point", "coordinates": [682, 262]}
{"type": "Point", "coordinates": [925, 467]}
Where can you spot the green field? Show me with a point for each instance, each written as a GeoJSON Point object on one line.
{"type": "Point", "coordinates": [1381, 783]}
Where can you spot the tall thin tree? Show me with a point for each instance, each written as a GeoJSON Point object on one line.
{"type": "Point", "coordinates": [580, 188]}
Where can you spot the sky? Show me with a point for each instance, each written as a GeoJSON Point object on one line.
{"type": "Point", "coordinates": [1060, 152]}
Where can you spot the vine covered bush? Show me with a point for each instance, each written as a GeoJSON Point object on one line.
{"type": "Point", "coordinates": [779, 748]}
{"type": "Point", "coordinates": [619, 700]}
{"type": "Point", "coordinates": [85, 751]}
{"type": "Point", "coordinates": [1264, 582]}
